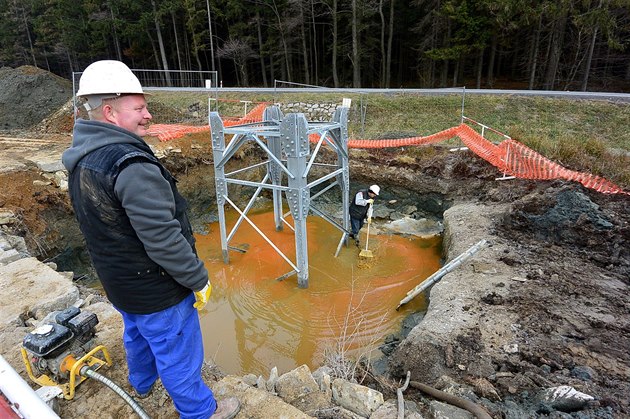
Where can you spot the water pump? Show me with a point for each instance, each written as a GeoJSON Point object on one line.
{"type": "Point", "coordinates": [56, 352]}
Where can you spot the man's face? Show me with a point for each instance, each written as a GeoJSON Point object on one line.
{"type": "Point", "coordinates": [129, 112]}
{"type": "Point", "coordinates": [371, 194]}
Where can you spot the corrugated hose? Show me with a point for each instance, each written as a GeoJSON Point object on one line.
{"type": "Point", "coordinates": [87, 372]}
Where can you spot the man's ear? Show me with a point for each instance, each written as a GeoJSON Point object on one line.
{"type": "Point", "coordinates": [108, 113]}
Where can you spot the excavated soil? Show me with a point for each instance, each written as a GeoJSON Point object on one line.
{"type": "Point", "coordinates": [567, 306]}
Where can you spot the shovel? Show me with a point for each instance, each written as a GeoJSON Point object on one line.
{"type": "Point", "coordinates": [365, 253]}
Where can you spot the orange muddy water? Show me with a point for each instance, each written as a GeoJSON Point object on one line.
{"type": "Point", "coordinates": [255, 322]}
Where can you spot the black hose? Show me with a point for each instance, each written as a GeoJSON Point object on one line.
{"type": "Point", "coordinates": [87, 372]}
{"type": "Point", "coordinates": [473, 408]}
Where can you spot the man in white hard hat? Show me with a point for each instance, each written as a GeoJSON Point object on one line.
{"type": "Point", "coordinates": [359, 209]}
{"type": "Point", "coordinates": [140, 241]}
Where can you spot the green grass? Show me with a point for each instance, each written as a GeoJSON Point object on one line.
{"type": "Point", "coordinates": [582, 135]}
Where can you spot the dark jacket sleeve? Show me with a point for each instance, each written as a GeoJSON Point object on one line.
{"type": "Point", "coordinates": [149, 203]}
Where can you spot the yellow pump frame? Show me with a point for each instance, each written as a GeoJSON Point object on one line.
{"type": "Point", "coordinates": [74, 367]}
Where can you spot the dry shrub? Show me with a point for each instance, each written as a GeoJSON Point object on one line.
{"type": "Point", "coordinates": [352, 364]}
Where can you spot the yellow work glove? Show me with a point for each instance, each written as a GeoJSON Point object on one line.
{"type": "Point", "coordinates": [202, 296]}
{"type": "Point", "coordinates": [370, 201]}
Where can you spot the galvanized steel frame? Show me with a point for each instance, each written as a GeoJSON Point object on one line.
{"type": "Point", "coordinates": [285, 140]}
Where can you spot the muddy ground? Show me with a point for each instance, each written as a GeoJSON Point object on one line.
{"type": "Point", "coordinates": [545, 305]}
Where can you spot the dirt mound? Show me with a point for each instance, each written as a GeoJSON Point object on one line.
{"type": "Point", "coordinates": [567, 217]}
{"type": "Point", "coordinates": [28, 95]}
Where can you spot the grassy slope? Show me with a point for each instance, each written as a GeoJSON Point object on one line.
{"type": "Point", "coordinates": [590, 136]}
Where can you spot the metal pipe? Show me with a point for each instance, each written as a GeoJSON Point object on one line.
{"type": "Point", "coordinates": [22, 395]}
{"type": "Point", "coordinates": [87, 372]}
{"type": "Point", "coordinates": [443, 271]}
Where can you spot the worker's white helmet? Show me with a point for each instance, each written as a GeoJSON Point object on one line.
{"type": "Point", "coordinates": [375, 189]}
{"type": "Point", "coordinates": [107, 79]}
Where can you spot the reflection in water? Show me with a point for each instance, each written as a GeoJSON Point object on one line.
{"type": "Point", "coordinates": [254, 322]}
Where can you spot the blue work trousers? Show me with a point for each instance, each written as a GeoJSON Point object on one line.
{"type": "Point", "coordinates": [169, 344]}
{"type": "Point", "coordinates": [356, 225]}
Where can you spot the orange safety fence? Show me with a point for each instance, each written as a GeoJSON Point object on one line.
{"type": "Point", "coordinates": [166, 132]}
{"type": "Point", "coordinates": [509, 156]}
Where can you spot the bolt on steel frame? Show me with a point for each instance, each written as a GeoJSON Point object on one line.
{"type": "Point", "coordinates": [289, 161]}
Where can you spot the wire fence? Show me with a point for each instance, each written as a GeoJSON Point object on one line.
{"type": "Point", "coordinates": [390, 114]}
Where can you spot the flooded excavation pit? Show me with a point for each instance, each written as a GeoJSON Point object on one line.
{"type": "Point", "coordinates": [255, 322]}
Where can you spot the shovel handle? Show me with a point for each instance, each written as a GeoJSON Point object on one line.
{"type": "Point", "coordinates": [369, 215]}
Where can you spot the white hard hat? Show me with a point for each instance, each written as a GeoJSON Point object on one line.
{"type": "Point", "coordinates": [108, 77]}
{"type": "Point", "coordinates": [376, 189]}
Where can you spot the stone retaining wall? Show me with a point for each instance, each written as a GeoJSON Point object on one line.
{"type": "Point", "coordinates": [312, 111]}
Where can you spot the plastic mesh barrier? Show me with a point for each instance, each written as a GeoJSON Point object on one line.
{"type": "Point", "coordinates": [509, 156]}
{"type": "Point", "coordinates": [166, 132]}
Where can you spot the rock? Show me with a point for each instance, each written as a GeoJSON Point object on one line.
{"type": "Point", "coordinates": [88, 299]}
{"type": "Point", "coordinates": [583, 373]}
{"type": "Point", "coordinates": [565, 398]}
{"type": "Point", "coordinates": [7, 217]}
{"type": "Point", "coordinates": [60, 178]}
{"type": "Point", "coordinates": [395, 216]}
{"type": "Point", "coordinates": [18, 244]}
{"type": "Point", "coordinates": [410, 322]}
{"type": "Point", "coordinates": [322, 377]}
{"type": "Point", "coordinates": [355, 397]}
{"type": "Point", "coordinates": [335, 412]}
{"type": "Point", "coordinates": [483, 388]}
{"type": "Point", "coordinates": [420, 228]}
{"type": "Point", "coordinates": [22, 282]}
{"type": "Point", "coordinates": [381, 211]}
{"type": "Point", "coordinates": [296, 383]}
{"type": "Point", "coordinates": [50, 167]}
{"type": "Point", "coordinates": [448, 385]}
{"type": "Point", "coordinates": [313, 402]}
{"type": "Point", "coordinates": [513, 410]}
{"type": "Point", "coordinates": [4, 243]}
{"type": "Point", "coordinates": [408, 209]}
{"type": "Point", "coordinates": [69, 275]}
{"type": "Point", "coordinates": [273, 378]}
{"type": "Point", "coordinates": [255, 403]}
{"type": "Point", "coordinates": [484, 267]}
{"type": "Point", "coordinates": [389, 410]}
{"type": "Point", "coordinates": [511, 348]}
{"type": "Point", "coordinates": [8, 256]}
{"type": "Point", "coordinates": [441, 410]}
{"type": "Point", "coordinates": [250, 379]}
